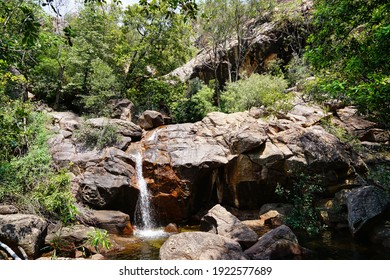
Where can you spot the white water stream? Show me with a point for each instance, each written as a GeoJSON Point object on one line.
{"type": "Point", "coordinates": [146, 227]}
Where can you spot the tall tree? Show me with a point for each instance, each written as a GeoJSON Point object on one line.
{"type": "Point", "coordinates": [351, 45]}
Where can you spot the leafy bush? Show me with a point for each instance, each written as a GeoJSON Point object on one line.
{"type": "Point", "coordinates": [99, 239]}
{"type": "Point", "coordinates": [255, 91]}
{"type": "Point", "coordinates": [297, 70]}
{"type": "Point", "coordinates": [302, 194]}
{"type": "Point", "coordinates": [97, 137]}
{"type": "Point", "coordinates": [30, 182]}
{"type": "Point", "coordinates": [380, 175]}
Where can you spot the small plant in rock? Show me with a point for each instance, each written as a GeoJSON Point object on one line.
{"type": "Point", "coordinates": [380, 175]}
{"type": "Point", "coordinates": [302, 195]}
{"type": "Point", "coordinates": [99, 239]}
{"type": "Point", "coordinates": [97, 137]}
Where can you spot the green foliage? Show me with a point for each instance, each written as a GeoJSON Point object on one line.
{"type": "Point", "coordinates": [257, 90]}
{"type": "Point", "coordinates": [297, 70]}
{"type": "Point", "coordinates": [302, 196]}
{"type": "Point", "coordinates": [99, 239]}
{"type": "Point", "coordinates": [29, 180]}
{"type": "Point", "coordinates": [341, 133]}
{"type": "Point", "coordinates": [55, 197]}
{"type": "Point", "coordinates": [380, 175]}
{"type": "Point", "coordinates": [97, 137]}
{"type": "Point", "coordinates": [350, 49]}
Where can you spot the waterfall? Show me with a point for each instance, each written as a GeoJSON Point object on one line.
{"type": "Point", "coordinates": [143, 210]}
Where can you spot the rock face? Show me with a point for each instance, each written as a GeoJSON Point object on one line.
{"type": "Point", "coordinates": [279, 243]}
{"type": "Point", "coordinates": [200, 246]}
{"type": "Point", "coordinates": [237, 159]}
{"type": "Point", "coordinates": [219, 221]}
{"type": "Point", "coordinates": [264, 41]}
{"type": "Point", "coordinates": [150, 119]}
{"type": "Point", "coordinates": [27, 231]}
{"type": "Point", "coordinates": [364, 204]}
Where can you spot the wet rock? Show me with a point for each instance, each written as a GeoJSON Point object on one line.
{"type": "Point", "coordinates": [279, 243]}
{"type": "Point", "coordinates": [27, 231]}
{"type": "Point", "coordinates": [364, 204]}
{"type": "Point", "coordinates": [171, 228]}
{"type": "Point", "coordinates": [200, 246]}
{"type": "Point", "coordinates": [150, 119]}
{"type": "Point", "coordinates": [219, 221]}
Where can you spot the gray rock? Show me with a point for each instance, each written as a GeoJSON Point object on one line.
{"type": "Point", "coordinates": [150, 119]}
{"type": "Point", "coordinates": [364, 204]}
{"type": "Point", "coordinates": [279, 243]}
{"type": "Point", "coordinates": [200, 246]}
{"type": "Point", "coordinates": [114, 222]}
{"type": "Point", "coordinates": [27, 231]}
{"type": "Point", "coordinates": [8, 209]}
{"type": "Point", "coordinates": [219, 221]}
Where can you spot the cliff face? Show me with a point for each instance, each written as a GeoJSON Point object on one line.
{"type": "Point", "coordinates": [264, 41]}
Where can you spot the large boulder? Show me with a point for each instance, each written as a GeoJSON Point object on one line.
{"type": "Point", "coordinates": [219, 221]}
{"type": "Point", "coordinates": [279, 243]}
{"type": "Point", "coordinates": [364, 204]}
{"type": "Point", "coordinates": [150, 119]}
{"type": "Point", "coordinates": [122, 109]}
{"type": "Point", "coordinates": [200, 246]}
{"type": "Point", "coordinates": [113, 221]}
{"type": "Point", "coordinates": [27, 231]}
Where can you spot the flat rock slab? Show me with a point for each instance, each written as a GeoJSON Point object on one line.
{"type": "Point", "coordinates": [200, 246]}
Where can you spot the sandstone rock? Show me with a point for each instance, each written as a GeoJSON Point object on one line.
{"type": "Point", "coordinates": [125, 127]}
{"type": "Point", "coordinates": [150, 119]}
{"type": "Point", "coordinates": [364, 204]}
{"type": "Point", "coordinates": [114, 222]}
{"type": "Point", "coordinates": [27, 231]}
{"type": "Point", "coordinates": [97, 257]}
{"type": "Point", "coordinates": [66, 120]}
{"type": "Point", "coordinates": [8, 209]}
{"type": "Point", "coordinates": [279, 243]}
{"type": "Point", "coordinates": [219, 221]}
{"type": "Point", "coordinates": [200, 246]}
{"type": "Point", "coordinates": [103, 190]}
{"type": "Point", "coordinates": [68, 240]}
{"type": "Point", "coordinates": [171, 228]}
{"type": "Point", "coordinates": [121, 109]}
{"type": "Point", "coordinates": [272, 218]}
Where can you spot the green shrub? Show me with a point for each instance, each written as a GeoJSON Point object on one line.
{"type": "Point", "coordinates": [30, 182]}
{"type": "Point", "coordinates": [97, 137]}
{"type": "Point", "coordinates": [302, 196]}
{"type": "Point", "coordinates": [297, 70]}
{"type": "Point", "coordinates": [256, 91]}
{"type": "Point", "coordinates": [380, 175]}
{"type": "Point", "coordinates": [99, 239]}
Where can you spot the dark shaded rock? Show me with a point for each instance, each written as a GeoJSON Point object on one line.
{"type": "Point", "coordinates": [364, 204]}
{"type": "Point", "coordinates": [122, 109]}
{"type": "Point", "coordinates": [279, 243]}
{"type": "Point", "coordinates": [381, 235]}
{"type": "Point", "coordinates": [103, 190]}
{"type": "Point", "coordinates": [219, 221]}
{"type": "Point", "coordinates": [150, 119]}
{"type": "Point", "coordinates": [27, 231]}
{"type": "Point", "coordinates": [200, 246]}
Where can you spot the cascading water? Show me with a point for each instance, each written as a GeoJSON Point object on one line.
{"type": "Point", "coordinates": [146, 227]}
{"type": "Point", "coordinates": [143, 212]}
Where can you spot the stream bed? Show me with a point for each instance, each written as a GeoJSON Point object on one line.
{"type": "Point", "coordinates": [329, 245]}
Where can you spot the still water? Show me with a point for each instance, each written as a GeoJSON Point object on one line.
{"type": "Point", "coordinates": [328, 245]}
